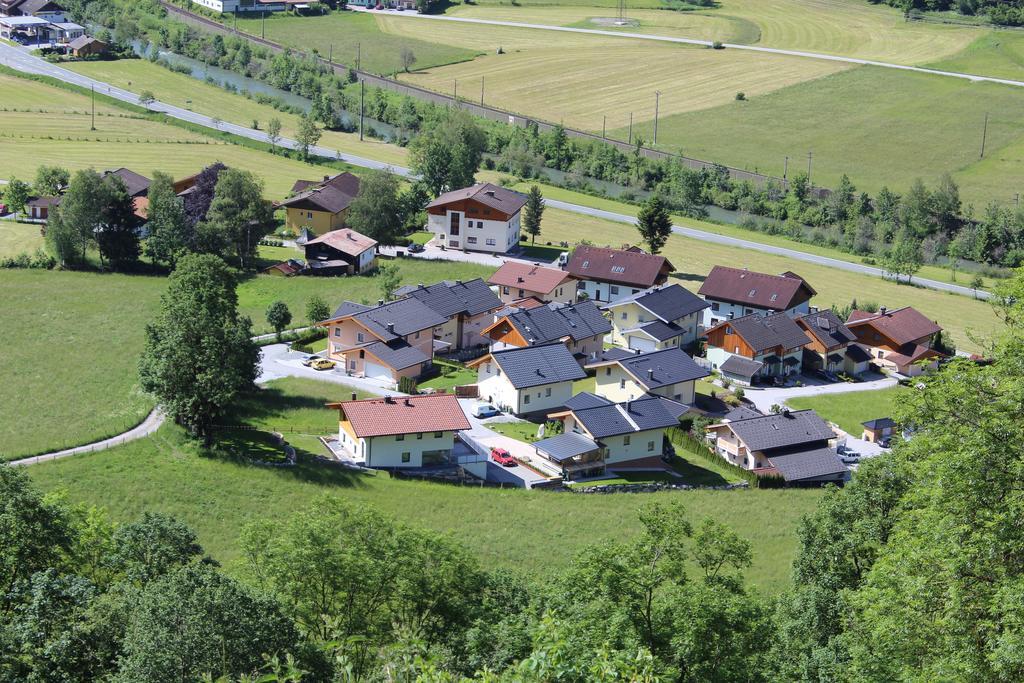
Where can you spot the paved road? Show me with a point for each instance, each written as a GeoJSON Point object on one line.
{"type": "Point", "coordinates": [705, 43]}
{"type": "Point", "coordinates": [20, 59]}
{"type": "Point", "coordinates": [139, 431]}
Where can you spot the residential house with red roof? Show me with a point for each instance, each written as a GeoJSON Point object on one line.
{"type": "Point", "coordinates": [900, 340]}
{"type": "Point", "coordinates": [736, 292]}
{"type": "Point", "coordinates": [516, 280]}
{"type": "Point", "coordinates": [400, 432]}
{"type": "Point", "coordinates": [320, 207]}
{"type": "Point", "coordinates": [607, 275]}
{"type": "Point", "coordinates": [341, 252]}
{"type": "Point", "coordinates": [484, 217]}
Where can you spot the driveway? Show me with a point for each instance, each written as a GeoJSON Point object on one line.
{"type": "Point", "coordinates": [765, 398]}
{"type": "Point", "coordinates": [435, 253]}
{"type": "Point", "coordinates": [484, 439]}
{"type": "Point", "coordinates": [278, 361]}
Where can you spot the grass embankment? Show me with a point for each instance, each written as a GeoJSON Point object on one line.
{"type": "Point", "coordinates": [996, 53]}
{"type": "Point", "coordinates": [851, 410]}
{"type": "Point", "coordinates": [533, 531]}
{"type": "Point", "coordinates": [19, 238]}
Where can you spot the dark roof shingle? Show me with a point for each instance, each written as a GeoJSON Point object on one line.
{"type": "Point", "coordinates": [814, 463]}
{"type": "Point", "coordinates": [768, 331]}
{"type": "Point", "coordinates": [903, 325]}
{"type": "Point", "coordinates": [826, 327]}
{"type": "Point", "coordinates": [760, 290]}
{"type": "Point", "coordinates": [662, 368]}
{"type": "Point", "coordinates": [782, 430]}
{"type": "Point", "coordinates": [636, 268]}
{"type": "Point", "coordinates": [533, 366]}
{"type": "Point", "coordinates": [642, 414]}
{"type": "Point", "coordinates": [554, 322]}
{"type": "Point", "coordinates": [669, 302]}
{"type": "Point", "coordinates": [488, 194]}
{"type": "Point", "coordinates": [448, 298]}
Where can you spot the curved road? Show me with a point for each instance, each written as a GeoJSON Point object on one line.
{"type": "Point", "coordinates": [20, 59]}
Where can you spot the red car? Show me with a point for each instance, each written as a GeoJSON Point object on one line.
{"type": "Point", "coordinates": [502, 457]}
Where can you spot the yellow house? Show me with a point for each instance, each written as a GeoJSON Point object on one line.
{"type": "Point", "coordinates": [669, 373]}
{"type": "Point", "coordinates": [658, 318]}
{"type": "Point", "coordinates": [320, 207]}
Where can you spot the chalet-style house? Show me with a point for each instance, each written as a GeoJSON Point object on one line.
{"type": "Point", "coordinates": [484, 217]}
{"type": "Point", "coordinates": [899, 340]}
{"type": "Point", "coordinates": [414, 431]}
{"type": "Point", "coordinates": [607, 275]}
{"type": "Point", "coordinates": [600, 434]}
{"type": "Point", "coordinates": [756, 346]}
{"type": "Point", "coordinates": [517, 281]}
{"type": "Point", "coordinates": [670, 373]}
{"type": "Point", "coordinates": [86, 46]}
{"type": "Point", "coordinates": [137, 186]}
{"type": "Point", "coordinates": [41, 9]}
{"type": "Point", "coordinates": [527, 380]}
{"type": "Point", "coordinates": [320, 207]}
{"type": "Point", "coordinates": [831, 345]}
{"type": "Point", "coordinates": [879, 430]}
{"type": "Point", "coordinates": [659, 318]}
{"type": "Point", "coordinates": [736, 292]}
{"type": "Point", "coordinates": [468, 306]}
{"type": "Point", "coordinates": [796, 445]}
{"type": "Point", "coordinates": [242, 6]}
{"type": "Point", "coordinates": [580, 326]}
{"type": "Point", "coordinates": [341, 252]}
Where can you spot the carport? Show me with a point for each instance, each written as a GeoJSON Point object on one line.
{"type": "Point", "coordinates": [577, 455]}
{"type": "Point", "coordinates": [740, 370]}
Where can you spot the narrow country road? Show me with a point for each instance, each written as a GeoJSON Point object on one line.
{"type": "Point", "coordinates": [21, 60]}
{"type": "Point", "coordinates": [139, 431]}
{"type": "Point", "coordinates": [703, 43]}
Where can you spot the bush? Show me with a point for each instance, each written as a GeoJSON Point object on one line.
{"type": "Point", "coordinates": [407, 385]}
{"type": "Point", "coordinates": [717, 45]}
{"type": "Point", "coordinates": [739, 393]}
{"type": "Point", "coordinates": [302, 348]}
{"type": "Point", "coordinates": [741, 96]}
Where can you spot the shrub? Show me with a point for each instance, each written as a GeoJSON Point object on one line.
{"type": "Point", "coordinates": [739, 393]}
{"type": "Point", "coordinates": [298, 347]}
{"type": "Point", "coordinates": [717, 45]}
{"type": "Point", "coordinates": [407, 385]}
{"type": "Point", "coordinates": [741, 96]}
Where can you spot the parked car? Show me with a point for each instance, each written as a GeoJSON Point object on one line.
{"type": "Point", "coordinates": [485, 410]}
{"type": "Point", "coordinates": [308, 360]}
{"type": "Point", "coordinates": [322, 364]}
{"type": "Point", "coordinates": [827, 375]}
{"type": "Point", "coordinates": [415, 248]}
{"type": "Point", "coordinates": [503, 458]}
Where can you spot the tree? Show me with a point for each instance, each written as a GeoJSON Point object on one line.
{"type": "Point", "coordinates": [316, 310]}
{"type": "Point", "coordinates": [279, 317]}
{"type": "Point", "coordinates": [197, 201]}
{"type": "Point", "coordinates": [146, 98]}
{"type": "Point", "coordinates": [51, 180]}
{"type": "Point", "coordinates": [388, 278]}
{"type": "Point", "coordinates": [116, 235]}
{"type": "Point", "coordinates": [532, 213]}
{"type": "Point", "coordinates": [307, 135]}
{"type": "Point", "coordinates": [169, 230]}
{"type": "Point", "coordinates": [376, 211]}
{"type": "Point", "coordinates": [412, 203]}
{"type": "Point", "coordinates": [238, 217]}
{"type": "Point", "coordinates": [904, 257]}
{"type": "Point", "coordinates": [16, 195]}
{"type": "Point", "coordinates": [976, 284]}
{"type": "Point", "coordinates": [152, 547]}
{"type": "Point", "coordinates": [654, 223]}
{"type": "Point", "coordinates": [448, 151]}
{"type": "Point", "coordinates": [199, 354]}
{"type": "Point", "coordinates": [408, 58]}
{"type": "Point", "coordinates": [274, 133]}
{"type": "Point", "coordinates": [80, 216]}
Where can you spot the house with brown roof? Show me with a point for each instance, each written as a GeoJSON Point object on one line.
{"type": "Point", "coordinates": [400, 432]}
{"type": "Point", "coordinates": [341, 252]}
{"type": "Point", "coordinates": [86, 46]}
{"type": "Point", "coordinates": [736, 292]}
{"type": "Point", "coordinates": [756, 347]}
{"type": "Point", "coordinates": [484, 217]}
{"type": "Point", "coordinates": [320, 206]}
{"type": "Point", "coordinates": [831, 345]}
{"type": "Point", "coordinates": [900, 340]}
{"type": "Point", "coordinates": [516, 280]}
{"type": "Point", "coordinates": [607, 275]}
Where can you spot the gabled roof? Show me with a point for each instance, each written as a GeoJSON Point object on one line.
{"type": "Point", "coordinates": [668, 302]}
{"type": "Point", "coordinates": [323, 198]}
{"type": "Point", "coordinates": [345, 182]}
{"type": "Point", "coordinates": [740, 366]}
{"type": "Point", "coordinates": [880, 423]}
{"type": "Point", "coordinates": [649, 412]}
{"type": "Point", "coordinates": [767, 331]}
{"type": "Point", "coordinates": [533, 366]}
{"type": "Point", "coordinates": [781, 430]}
{"type": "Point", "coordinates": [449, 298]}
{"type": "Point", "coordinates": [33, 6]}
{"type": "Point", "coordinates": [488, 194]}
{"type": "Point", "coordinates": [565, 446]}
{"type": "Point", "coordinates": [135, 183]}
{"type": "Point", "coordinates": [397, 354]}
{"type": "Point", "coordinates": [405, 316]}
{"type": "Point", "coordinates": [81, 41]}
{"type": "Point", "coordinates": [532, 277]}
{"type": "Point", "coordinates": [46, 202]}
{"type": "Point", "coordinates": [911, 353]}
{"type": "Point", "coordinates": [826, 327]}
{"type": "Point", "coordinates": [408, 415]}
{"type": "Point", "coordinates": [801, 464]}
{"type": "Point", "coordinates": [658, 330]}
{"type": "Point", "coordinates": [348, 308]}
{"type": "Point", "coordinates": [903, 325]}
{"type": "Point", "coordinates": [625, 266]}
{"type": "Point", "coordinates": [345, 240]}
{"type": "Point", "coordinates": [857, 354]}
{"type": "Point", "coordinates": [756, 290]}
{"type": "Point", "coordinates": [606, 355]}
{"type": "Point", "coordinates": [662, 368]}
{"type": "Point", "coordinates": [741, 413]}
{"type": "Point", "coordinates": [585, 399]}
{"type": "Point", "coordinates": [555, 322]}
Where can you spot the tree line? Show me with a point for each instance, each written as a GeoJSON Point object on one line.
{"type": "Point", "coordinates": [1003, 12]}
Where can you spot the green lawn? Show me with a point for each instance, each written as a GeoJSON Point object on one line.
{"type": "Point", "coordinates": [451, 375]}
{"type": "Point", "coordinates": [997, 53]}
{"type": "Point", "coordinates": [421, 237]}
{"type": "Point", "coordinates": [850, 410]}
{"type": "Point", "coordinates": [588, 384]}
{"type": "Point", "coordinates": [533, 531]}
{"type": "Point", "coordinates": [19, 238]}
{"type": "Point", "coordinates": [524, 431]}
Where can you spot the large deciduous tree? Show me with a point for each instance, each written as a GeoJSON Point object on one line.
{"type": "Point", "coordinates": [170, 234]}
{"type": "Point", "coordinates": [16, 194]}
{"type": "Point", "coordinates": [78, 218]}
{"type": "Point", "coordinates": [377, 209]}
{"type": "Point", "coordinates": [307, 135]}
{"type": "Point", "coordinates": [117, 236]}
{"type": "Point", "coordinates": [238, 217]}
{"type": "Point", "coordinates": [51, 180]}
{"type": "Point", "coordinates": [448, 151]}
{"type": "Point", "coordinates": [654, 223]}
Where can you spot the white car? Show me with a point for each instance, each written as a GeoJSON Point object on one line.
{"type": "Point", "coordinates": [481, 410]}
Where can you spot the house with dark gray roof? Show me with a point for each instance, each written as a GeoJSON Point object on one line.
{"type": "Point", "coordinates": [469, 307]}
{"type": "Point", "coordinates": [772, 344]}
{"type": "Point", "coordinates": [484, 217]}
{"type": "Point", "coordinates": [795, 445]}
{"type": "Point", "coordinates": [657, 318]}
{"type": "Point", "coordinates": [580, 326]}
{"type": "Point", "coordinates": [529, 379]}
{"type": "Point", "coordinates": [610, 436]}
{"type": "Point", "coordinates": [320, 206]}
{"type": "Point", "coordinates": [830, 344]}
{"type": "Point", "coordinates": [670, 373]}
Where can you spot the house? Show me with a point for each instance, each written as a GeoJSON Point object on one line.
{"type": "Point", "coordinates": [580, 326]}
{"type": "Point", "coordinates": [320, 206]}
{"type": "Point", "coordinates": [414, 431]}
{"type": "Point", "coordinates": [241, 6]}
{"type": "Point", "coordinates": [774, 343]}
{"type": "Point", "coordinates": [484, 217]}
{"type": "Point", "coordinates": [84, 46]}
{"type": "Point", "coordinates": [285, 268]}
{"type": "Point", "coordinates": [136, 184]}
{"type": "Point", "coordinates": [879, 430]}
{"type": "Point", "coordinates": [387, 342]}
{"type": "Point", "coordinates": [468, 307]}
{"type": "Point", "coordinates": [658, 318]}
{"type": "Point", "coordinates": [39, 208]}
{"type": "Point", "coordinates": [607, 275]}
{"type": "Point", "coordinates": [528, 379]}
{"type": "Point", "coordinates": [830, 344]}
{"type": "Point", "coordinates": [41, 9]}
{"type": "Point", "coordinates": [736, 292]}
{"type": "Point", "coordinates": [796, 445]}
{"type": "Point", "coordinates": [670, 373]}
{"type": "Point", "coordinates": [341, 252]}
{"type": "Point", "coordinates": [599, 434]}
{"type": "Point", "coordinates": [24, 29]}
{"type": "Point", "coordinates": [900, 340]}
{"type": "Point", "coordinates": [516, 281]}
{"type": "Point", "coordinates": [66, 31]}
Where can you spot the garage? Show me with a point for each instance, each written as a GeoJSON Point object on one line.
{"type": "Point", "coordinates": [641, 344]}
{"type": "Point", "coordinates": [375, 371]}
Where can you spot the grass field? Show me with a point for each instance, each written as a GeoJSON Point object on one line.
{"type": "Point", "coordinates": [536, 532]}
{"type": "Point", "coordinates": [849, 411]}
{"type": "Point", "coordinates": [996, 53]}
{"type": "Point", "coordinates": [19, 238]}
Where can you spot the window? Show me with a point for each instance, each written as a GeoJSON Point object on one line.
{"type": "Point", "coordinates": [625, 440]}
{"type": "Point", "coordinates": [774, 297]}
{"type": "Point", "coordinates": [359, 337]}
{"type": "Point", "coordinates": [470, 240]}
{"type": "Point", "coordinates": [618, 269]}
{"type": "Point", "coordinates": [337, 331]}
{"type": "Point", "coordinates": [487, 368]}
{"type": "Point", "coordinates": [879, 354]}
{"type": "Point", "coordinates": [453, 224]}
{"type": "Point", "coordinates": [309, 214]}
{"type": "Point", "coordinates": [728, 329]}
{"type": "Point", "coordinates": [521, 294]}
{"type": "Point", "coordinates": [504, 290]}
{"type": "Point", "coordinates": [480, 225]}
{"type": "Point", "coordinates": [419, 436]}
{"type": "Point", "coordinates": [607, 371]}
{"type": "Point", "coordinates": [406, 456]}
{"type": "Point", "coordinates": [526, 399]}
{"type": "Point", "coordinates": [714, 306]}
{"type": "Point", "coordinates": [635, 291]}
{"type": "Point", "coordinates": [752, 292]}
{"type": "Point", "coordinates": [747, 311]}
{"type": "Point", "coordinates": [547, 392]}
{"type": "Point", "coordinates": [437, 435]}
{"type": "Point", "coordinates": [650, 446]}
{"type": "Point", "coordinates": [351, 365]}
{"type": "Point", "coordinates": [586, 264]}
{"type": "Point", "coordinates": [614, 290]}
{"type": "Point", "coordinates": [400, 437]}
{"type": "Point", "coordinates": [736, 350]}
{"type": "Point", "coordinates": [622, 384]}
{"type": "Point", "coordinates": [362, 354]}
{"type": "Point", "coordinates": [624, 315]}
{"type": "Point", "coordinates": [490, 242]}
{"type": "Point", "coordinates": [453, 243]}
{"type": "Point", "coordinates": [417, 335]}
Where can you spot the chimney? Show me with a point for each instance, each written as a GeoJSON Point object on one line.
{"type": "Point", "coordinates": [785, 412]}
{"type": "Point", "coordinates": [389, 400]}
{"type": "Point", "coordinates": [408, 402]}
{"type": "Point", "coordinates": [636, 352]}
{"type": "Point", "coordinates": [421, 286]}
{"type": "Point", "coordinates": [489, 193]}
{"type": "Point", "coordinates": [458, 282]}
{"type": "Point", "coordinates": [813, 309]}
{"type": "Point", "coordinates": [881, 310]}
{"type": "Point", "coordinates": [391, 328]}
{"type": "Point", "coordinates": [353, 396]}
{"type": "Point", "coordinates": [650, 373]}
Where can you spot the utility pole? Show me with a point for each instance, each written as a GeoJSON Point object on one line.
{"type": "Point", "coordinates": [92, 89]}
{"type": "Point", "coordinates": [361, 90]}
{"type": "Point", "coordinates": [330, 53]}
{"type": "Point", "coordinates": [657, 99]}
{"type": "Point", "coordinates": [481, 91]}
{"type": "Point", "coordinates": [263, 26]}
{"type": "Point", "coordinates": [1016, 201]}
{"type": "Point", "coordinates": [604, 127]}
{"type": "Point", "coordinates": [359, 55]}
{"type": "Point", "coordinates": [809, 155]}
{"type": "Point", "coordinates": [456, 94]}
{"type": "Point", "coordinates": [984, 134]}
{"type": "Point", "coordinates": [629, 137]}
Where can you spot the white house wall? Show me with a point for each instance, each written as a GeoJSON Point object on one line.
{"type": "Point", "coordinates": [496, 389]}
{"type": "Point", "coordinates": [494, 237]}
{"type": "Point", "coordinates": [386, 451]}
{"type": "Point", "coordinates": [730, 311]}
